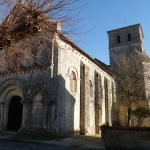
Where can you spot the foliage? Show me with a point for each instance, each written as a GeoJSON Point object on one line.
{"type": "Point", "coordinates": [141, 113]}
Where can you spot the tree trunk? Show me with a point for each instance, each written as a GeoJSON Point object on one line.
{"type": "Point", "coordinates": [129, 116]}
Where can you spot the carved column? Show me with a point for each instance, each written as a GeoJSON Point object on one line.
{"type": "Point", "coordinates": [45, 114]}
{"type": "Point", "coordinates": [29, 110]}
{"type": "Point", "coordinates": [2, 115]}
{"type": "Point", "coordinates": [25, 115]}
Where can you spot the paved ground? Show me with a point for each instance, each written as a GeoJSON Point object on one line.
{"type": "Point", "coordinates": [13, 144]}
{"type": "Point", "coordinates": [9, 141]}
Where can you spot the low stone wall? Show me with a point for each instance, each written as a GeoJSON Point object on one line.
{"type": "Point", "coordinates": [126, 137]}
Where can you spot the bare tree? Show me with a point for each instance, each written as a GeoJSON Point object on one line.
{"type": "Point", "coordinates": [129, 72]}
{"type": "Point", "coordinates": [28, 25]}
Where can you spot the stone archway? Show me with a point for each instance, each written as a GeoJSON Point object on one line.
{"type": "Point", "coordinates": [15, 111]}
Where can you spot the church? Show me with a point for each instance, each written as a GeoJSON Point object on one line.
{"type": "Point", "coordinates": [61, 89]}
{"type": "Point", "coordinates": [48, 82]}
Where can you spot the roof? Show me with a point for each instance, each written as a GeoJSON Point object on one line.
{"type": "Point", "coordinates": [103, 64]}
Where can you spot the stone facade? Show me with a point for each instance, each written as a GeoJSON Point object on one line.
{"type": "Point", "coordinates": [125, 137]}
{"type": "Point", "coordinates": [69, 92]}
{"type": "Point", "coordinates": [85, 107]}
{"type": "Point", "coordinates": [122, 40]}
{"type": "Point", "coordinates": [62, 89]}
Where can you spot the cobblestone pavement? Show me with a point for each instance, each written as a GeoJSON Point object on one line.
{"type": "Point", "coordinates": [92, 142]}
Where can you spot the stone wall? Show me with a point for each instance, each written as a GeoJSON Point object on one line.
{"type": "Point", "coordinates": [125, 45]}
{"type": "Point", "coordinates": [37, 86]}
{"type": "Point", "coordinates": [146, 70]}
{"type": "Point", "coordinates": [120, 113]}
{"type": "Point", "coordinates": [49, 100]}
{"type": "Point", "coordinates": [84, 100]}
{"type": "Point", "coordinates": [125, 138]}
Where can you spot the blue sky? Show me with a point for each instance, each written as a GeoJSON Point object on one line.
{"type": "Point", "coordinates": [105, 15]}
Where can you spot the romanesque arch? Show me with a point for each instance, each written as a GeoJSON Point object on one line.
{"type": "Point", "coordinates": [73, 74]}
{"type": "Point", "coordinates": [10, 85]}
{"type": "Point", "coordinates": [38, 88]}
{"type": "Point", "coordinates": [10, 91]}
{"type": "Point", "coordinates": [15, 114]}
{"type": "Point", "coordinates": [73, 69]}
{"type": "Point", "coordinates": [38, 107]}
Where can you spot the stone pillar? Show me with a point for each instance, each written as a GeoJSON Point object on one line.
{"type": "Point", "coordinates": [2, 115]}
{"type": "Point", "coordinates": [45, 114]}
{"type": "Point", "coordinates": [98, 102]}
{"type": "Point", "coordinates": [84, 100]}
{"type": "Point", "coordinates": [110, 102]}
{"type": "Point", "coordinates": [106, 101]}
{"type": "Point", "coordinates": [49, 120]}
{"type": "Point", "coordinates": [52, 116]}
{"type": "Point", "coordinates": [24, 115]}
{"type": "Point", "coordinates": [29, 110]}
{"type": "Point", "coordinates": [103, 101]}
{"type": "Point", "coordinates": [44, 120]}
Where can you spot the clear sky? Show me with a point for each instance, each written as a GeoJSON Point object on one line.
{"type": "Point", "coordinates": [105, 15]}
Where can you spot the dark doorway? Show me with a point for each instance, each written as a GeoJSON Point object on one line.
{"type": "Point", "coordinates": [15, 114]}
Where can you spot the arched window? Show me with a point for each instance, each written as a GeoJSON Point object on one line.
{"type": "Point", "coordinates": [73, 82]}
{"type": "Point", "coordinates": [129, 37]}
{"type": "Point", "coordinates": [118, 38]}
{"type": "Point", "coordinates": [91, 87]}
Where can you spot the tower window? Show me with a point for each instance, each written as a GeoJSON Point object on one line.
{"type": "Point", "coordinates": [129, 37]}
{"type": "Point", "coordinates": [118, 38]}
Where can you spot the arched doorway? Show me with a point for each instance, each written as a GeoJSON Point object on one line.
{"type": "Point", "coordinates": [15, 114]}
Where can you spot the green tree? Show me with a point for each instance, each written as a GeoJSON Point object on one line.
{"type": "Point", "coordinates": [141, 113]}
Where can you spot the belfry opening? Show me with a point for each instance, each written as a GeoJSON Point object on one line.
{"type": "Point", "coordinates": [15, 114]}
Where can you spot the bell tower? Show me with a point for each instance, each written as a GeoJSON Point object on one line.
{"type": "Point", "coordinates": [124, 40]}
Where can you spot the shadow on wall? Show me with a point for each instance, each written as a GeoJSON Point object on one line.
{"type": "Point", "coordinates": [56, 113]}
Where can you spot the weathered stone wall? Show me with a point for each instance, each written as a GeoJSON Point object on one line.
{"type": "Point", "coordinates": [120, 113]}
{"type": "Point", "coordinates": [146, 70]}
{"type": "Point", "coordinates": [48, 99]}
{"type": "Point", "coordinates": [37, 86]}
{"type": "Point", "coordinates": [125, 46]}
{"type": "Point", "coordinates": [98, 101]}
{"type": "Point", "coordinates": [37, 111]}
{"type": "Point", "coordinates": [29, 83]}
{"type": "Point", "coordinates": [136, 37]}
{"type": "Point", "coordinates": [125, 138]}
{"type": "Point", "coordinates": [82, 101]}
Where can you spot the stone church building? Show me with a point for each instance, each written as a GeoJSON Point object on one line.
{"type": "Point", "coordinates": [72, 93]}
{"type": "Point", "coordinates": [69, 92]}
{"type": "Point", "coordinates": [61, 89]}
